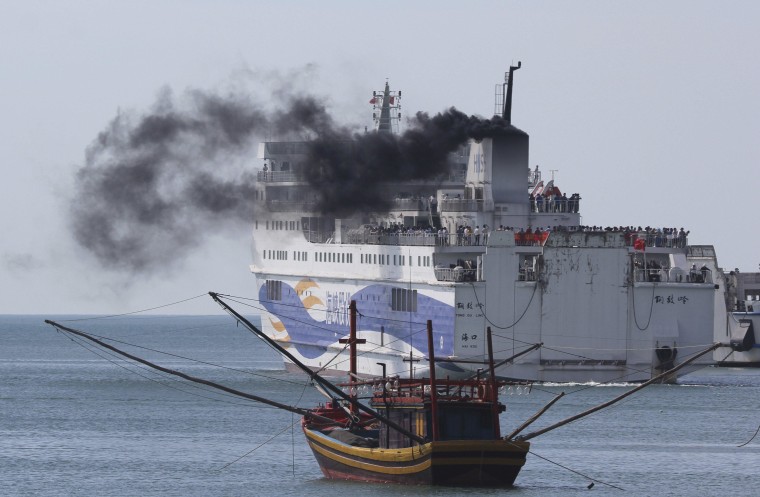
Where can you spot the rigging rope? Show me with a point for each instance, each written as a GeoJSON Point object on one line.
{"type": "Point", "coordinates": [258, 446]}
{"type": "Point", "coordinates": [753, 437]}
{"type": "Point", "coordinates": [576, 472]}
{"type": "Point", "coordinates": [134, 312]}
{"type": "Point", "coordinates": [117, 361]}
{"type": "Point", "coordinates": [651, 307]}
{"type": "Point", "coordinates": [482, 308]}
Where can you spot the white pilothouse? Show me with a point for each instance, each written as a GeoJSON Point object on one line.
{"type": "Point", "coordinates": [491, 244]}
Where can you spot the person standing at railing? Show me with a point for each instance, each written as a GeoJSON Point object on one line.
{"type": "Point", "coordinates": [705, 273]}
{"type": "Point", "coordinates": [682, 238]}
{"type": "Point", "coordinates": [476, 232]}
{"type": "Point", "coordinates": [540, 203]}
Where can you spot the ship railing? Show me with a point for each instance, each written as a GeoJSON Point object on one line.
{"type": "Point", "coordinates": [528, 239]}
{"type": "Point", "coordinates": [657, 239]}
{"type": "Point", "coordinates": [317, 236]}
{"type": "Point", "coordinates": [277, 176]}
{"type": "Point", "coordinates": [368, 238]}
{"type": "Point", "coordinates": [426, 239]}
{"type": "Point", "coordinates": [410, 204]}
{"type": "Point", "coordinates": [290, 205]}
{"type": "Point", "coordinates": [464, 205]}
{"type": "Point", "coordinates": [456, 177]}
{"type": "Point", "coordinates": [555, 205]}
{"type": "Point", "coordinates": [291, 176]}
{"type": "Point", "coordinates": [455, 274]}
{"type": "Point", "coordinates": [673, 275]}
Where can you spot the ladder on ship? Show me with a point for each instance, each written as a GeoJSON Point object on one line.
{"type": "Point", "coordinates": [434, 218]}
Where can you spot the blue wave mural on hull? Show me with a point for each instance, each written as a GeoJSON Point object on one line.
{"type": "Point", "coordinates": [311, 337]}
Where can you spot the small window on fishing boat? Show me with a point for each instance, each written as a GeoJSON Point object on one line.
{"type": "Point", "coordinates": [274, 290]}
{"type": "Point", "coordinates": [404, 300]}
{"type": "Point", "coordinates": [471, 422]}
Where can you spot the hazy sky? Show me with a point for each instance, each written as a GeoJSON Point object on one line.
{"type": "Point", "coordinates": [649, 109]}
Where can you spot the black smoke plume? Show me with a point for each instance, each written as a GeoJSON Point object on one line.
{"type": "Point", "coordinates": [154, 186]}
{"type": "Point", "coordinates": [349, 171]}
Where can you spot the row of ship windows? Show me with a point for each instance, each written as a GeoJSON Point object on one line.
{"type": "Point", "coordinates": [402, 299]}
{"type": "Point", "coordinates": [281, 225]}
{"type": "Point", "coordinates": [381, 259]}
{"type": "Point", "coordinates": [398, 260]}
{"type": "Point", "coordinates": [282, 255]}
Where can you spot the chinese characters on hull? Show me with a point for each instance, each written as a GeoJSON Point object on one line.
{"type": "Point", "coordinates": [670, 299]}
{"type": "Point", "coordinates": [471, 315]}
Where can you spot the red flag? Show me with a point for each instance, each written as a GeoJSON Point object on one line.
{"type": "Point", "coordinates": [393, 99]}
{"type": "Point", "coordinates": [373, 101]}
{"type": "Point", "coordinates": [639, 244]}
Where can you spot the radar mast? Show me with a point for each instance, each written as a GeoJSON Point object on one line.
{"type": "Point", "coordinates": [386, 110]}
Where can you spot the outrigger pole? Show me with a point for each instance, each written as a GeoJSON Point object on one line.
{"type": "Point", "coordinates": [616, 399]}
{"type": "Point", "coordinates": [502, 362]}
{"type": "Point", "coordinates": [285, 407]}
{"type": "Point", "coordinates": [313, 375]}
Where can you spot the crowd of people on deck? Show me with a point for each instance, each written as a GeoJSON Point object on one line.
{"type": "Point", "coordinates": [652, 237]}
{"type": "Point", "coordinates": [555, 202]}
{"type": "Point", "coordinates": [468, 235]}
{"type": "Point", "coordinates": [649, 237]}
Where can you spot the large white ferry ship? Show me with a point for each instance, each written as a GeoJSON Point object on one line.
{"type": "Point", "coordinates": [490, 244]}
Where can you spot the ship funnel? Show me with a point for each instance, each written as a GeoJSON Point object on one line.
{"type": "Point", "coordinates": [507, 113]}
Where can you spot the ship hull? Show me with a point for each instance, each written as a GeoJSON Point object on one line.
{"type": "Point", "coordinates": [614, 340]}
{"type": "Point", "coordinates": [482, 463]}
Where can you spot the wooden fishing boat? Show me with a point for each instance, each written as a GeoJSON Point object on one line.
{"type": "Point", "coordinates": [451, 433]}
{"type": "Point", "coordinates": [467, 450]}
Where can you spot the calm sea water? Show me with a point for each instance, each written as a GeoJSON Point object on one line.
{"type": "Point", "coordinates": [76, 423]}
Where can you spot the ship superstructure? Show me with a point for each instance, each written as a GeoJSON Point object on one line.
{"type": "Point", "coordinates": [740, 324]}
{"type": "Point", "coordinates": [490, 244]}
